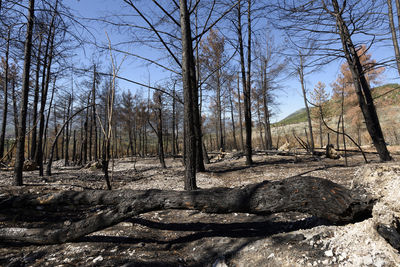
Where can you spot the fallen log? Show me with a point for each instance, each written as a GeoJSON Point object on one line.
{"type": "Point", "coordinates": [311, 195]}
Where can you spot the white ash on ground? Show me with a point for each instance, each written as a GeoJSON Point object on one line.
{"type": "Point", "coordinates": [191, 238]}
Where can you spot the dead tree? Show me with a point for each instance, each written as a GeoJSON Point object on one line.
{"type": "Point", "coordinates": [158, 130]}
{"type": "Point", "coordinates": [19, 157]}
{"type": "Point", "coordinates": [60, 131]}
{"type": "Point", "coordinates": [246, 75]}
{"type": "Point", "coordinates": [5, 91]}
{"type": "Point", "coordinates": [311, 195]}
{"type": "Point", "coordinates": [341, 24]}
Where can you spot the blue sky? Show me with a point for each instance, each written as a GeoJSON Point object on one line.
{"type": "Point", "coordinates": [289, 97]}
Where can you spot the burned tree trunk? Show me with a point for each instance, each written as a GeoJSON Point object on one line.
{"type": "Point", "coordinates": [5, 91]}
{"type": "Point", "coordinates": [19, 154]}
{"type": "Point", "coordinates": [189, 95]}
{"type": "Point", "coordinates": [311, 195]}
{"type": "Point", "coordinates": [361, 85]}
{"type": "Point", "coordinates": [160, 130]}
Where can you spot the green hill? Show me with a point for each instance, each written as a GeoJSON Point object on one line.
{"type": "Point", "coordinates": [296, 117]}
{"type": "Point", "coordinates": [388, 94]}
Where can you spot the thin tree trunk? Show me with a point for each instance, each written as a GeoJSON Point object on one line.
{"type": "Point", "coordinates": [63, 136]}
{"type": "Point", "coordinates": [247, 92]}
{"type": "Point", "coordinates": [267, 123]}
{"type": "Point", "coordinates": [48, 116]}
{"type": "Point", "coordinates": [55, 131]}
{"type": "Point", "coordinates": [260, 124]}
{"type": "Point", "coordinates": [45, 87]}
{"type": "Point", "coordinates": [320, 132]}
{"type": "Point", "coordinates": [337, 131]}
{"type": "Point", "coordinates": [303, 89]}
{"type": "Point", "coordinates": [48, 169]}
{"type": "Point", "coordinates": [74, 156]}
{"type": "Point", "coordinates": [15, 108]}
{"type": "Point", "coordinates": [36, 100]}
{"type": "Point", "coordinates": [92, 115]}
{"type": "Point", "coordinates": [5, 91]}
{"type": "Point", "coordinates": [235, 145]}
{"type": "Point", "coordinates": [96, 157]}
{"type": "Point", "coordinates": [85, 141]}
{"type": "Point", "coordinates": [19, 157]}
{"type": "Point", "coordinates": [160, 131]}
{"type": "Point", "coordinates": [173, 123]}
{"type": "Point", "coordinates": [135, 137]}
{"type": "Point", "coordinates": [240, 115]}
{"type": "Point", "coordinates": [393, 32]}
{"type": "Point", "coordinates": [66, 159]}
{"type": "Point", "coordinates": [195, 76]}
{"type": "Point", "coordinates": [219, 113]}
{"type": "Point", "coordinates": [246, 80]}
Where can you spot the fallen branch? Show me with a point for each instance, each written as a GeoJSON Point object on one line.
{"type": "Point", "coordinates": [311, 195]}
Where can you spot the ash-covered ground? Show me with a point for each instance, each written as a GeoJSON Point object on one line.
{"type": "Point", "coordinates": [192, 238]}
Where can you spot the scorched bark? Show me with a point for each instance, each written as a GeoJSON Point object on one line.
{"type": "Point", "coordinates": [311, 195]}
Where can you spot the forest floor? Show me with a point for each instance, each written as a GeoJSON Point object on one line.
{"type": "Point", "coordinates": [192, 238]}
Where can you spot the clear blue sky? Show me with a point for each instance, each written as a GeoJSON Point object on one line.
{"type": "Point", "coordinates": [289, 98]}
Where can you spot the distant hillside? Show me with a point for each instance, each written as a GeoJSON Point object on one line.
{"type": "Point", "coordinates": [296, 117]}
{"type": "Point", "coordinates": [385, 95]}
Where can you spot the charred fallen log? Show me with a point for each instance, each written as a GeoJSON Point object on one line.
{"type": "Point", "coordinates": [311, 195]}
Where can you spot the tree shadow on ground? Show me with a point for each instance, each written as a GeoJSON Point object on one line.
{"type": "Point", "coordinates": [205, 230]}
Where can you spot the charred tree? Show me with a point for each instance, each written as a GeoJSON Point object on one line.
{"type": "Point", "coordinates": [361, 84]}
{"type": "Point", "coordinates": [300, 71]}
{"type": "Point", "coordinates": [160, 129]}
{"type": "Point", "coordinates": [5, 92]}
{"type": "Point", "coordinates": [20, 157]}
{"type": "Point", "coordinates": [60, 131]}
{"type": "Point", "coordinates": [311, 195]}
{"type": "Point", "coordinates": [246, 75]}
{"type": "Point", "coordinates": [240, 114]}
{"type": "Point", "coordinates": [235, 144]}
{"type": "Point", "coordinates": [36, 99]}
{"type": "Point", "coordinates": [48, 58]}
{"type": "Point", "coordinates": [393, 32]}
{"type": "Point", "coordinates": [189, 94]}
{"type": "Point", "coordinates": [66, 133]}
{"type": "Point", "coordinates": [15, 106]}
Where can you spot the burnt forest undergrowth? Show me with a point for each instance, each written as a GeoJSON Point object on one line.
{"type": "Point", "coordinates": [165, 237]}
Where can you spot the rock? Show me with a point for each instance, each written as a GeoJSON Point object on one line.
{"type": "Point", "coordinates": [331, 152]}
{"type": "Point", "coordinates": [329, 253]}
{"type": "Point", "coordinates": [97, 259]}
{"type": "Point", "coordinates": [382, 181]}
{"type": "Point", "coordinates": [284, 147]}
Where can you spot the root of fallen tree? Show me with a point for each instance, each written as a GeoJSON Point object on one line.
{"type": "Point", "coordinates": [311, 195]}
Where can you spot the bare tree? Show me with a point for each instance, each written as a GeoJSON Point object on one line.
{"type": "Point", "coordinates": [5, 91]}
{"type": "Point", "coordinates": [393, 30]}
{"type": "Point", "coordinates": [300, 72]}
{"type": "Point", "coordinates": [20, 157]}
{"type": "Point", "coordinates": [48, 59]}
{"type": "Point", "coordinates": [158, 103]}
{"type": "Point", "coordinates": [213, 58]}
{"type": "Point", "coordinates": [328, 23]}
{"type": "Point", "coordinates": [173, 45]}
{"type": "Point", "coordinates": [246, 75]}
